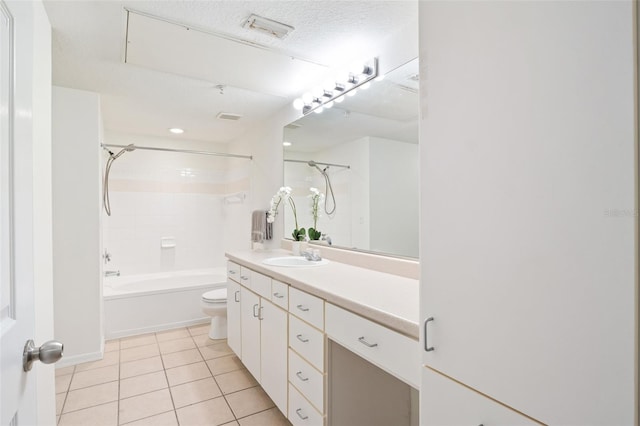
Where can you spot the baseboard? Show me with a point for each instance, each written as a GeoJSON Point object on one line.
{"type": "Point", "coordinates": [66, 361]}
{"type": "Point", "coordinates": [161, 327]}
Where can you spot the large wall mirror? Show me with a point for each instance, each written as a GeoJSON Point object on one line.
{"type": "Point", "coordinates": [365, 151]}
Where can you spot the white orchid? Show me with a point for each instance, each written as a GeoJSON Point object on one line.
{"type": "Point", "coordinates": [317, 199]}
{"type": "Point", "coordinates": [284, 194]}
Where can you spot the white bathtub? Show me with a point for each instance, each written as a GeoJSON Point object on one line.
{"type": "Point", "coordinates": [137, 304]}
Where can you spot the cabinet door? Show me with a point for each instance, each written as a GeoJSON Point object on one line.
{"type": "Point", "coordinates": [233, 318]}
{"type": "Point", "coordinates": [249, 306]}
{"type": "Point", "coordinates": [443, 402]}
{"type": "Point", "coordinates": [273, 351]}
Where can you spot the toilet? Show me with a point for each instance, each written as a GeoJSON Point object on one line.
{"type": "Point", "coordinates": [214, 304]}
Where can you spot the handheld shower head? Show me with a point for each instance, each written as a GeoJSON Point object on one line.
{"type": "Point", "coordinates": [128, 148]}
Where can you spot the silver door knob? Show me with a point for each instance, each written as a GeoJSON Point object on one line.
{"type": "Point", "coordinates": [48, 353]}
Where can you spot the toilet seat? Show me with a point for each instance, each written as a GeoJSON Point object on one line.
{"type": "Point", "coordinates": [215, 296]}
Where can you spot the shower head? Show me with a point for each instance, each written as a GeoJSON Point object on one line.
{"type": "Point", "coordinates": [314, 164]}
{"type": "Point", "coordinates": [128, 148]}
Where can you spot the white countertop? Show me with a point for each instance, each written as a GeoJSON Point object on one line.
{"type": "Point", "coordinates": [387, 299]}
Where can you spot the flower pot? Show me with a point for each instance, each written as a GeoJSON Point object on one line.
{"type": "Point", "coordinates": [296, 247]}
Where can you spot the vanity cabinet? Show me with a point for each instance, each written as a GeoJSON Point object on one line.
{"type": "Point", "coordinates": [250, 331]}
{"type": "Point", "coordinates": [233, 316]}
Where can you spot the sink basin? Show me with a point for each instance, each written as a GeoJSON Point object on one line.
{"type": "Point", "coordinates": [293, 261]}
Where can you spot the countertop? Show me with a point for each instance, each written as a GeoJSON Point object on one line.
{"type": "Point", "coordinates": [386, 299]}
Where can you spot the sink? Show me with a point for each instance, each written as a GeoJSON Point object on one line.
{"type": "Point", "coordinates": [293, 261]}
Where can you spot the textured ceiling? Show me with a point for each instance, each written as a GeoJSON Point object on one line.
{"type": "Point", "coordinates": [88, 48]}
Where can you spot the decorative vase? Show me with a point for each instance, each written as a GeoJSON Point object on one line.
{"type": "Point", "coordinates": [296, 247]}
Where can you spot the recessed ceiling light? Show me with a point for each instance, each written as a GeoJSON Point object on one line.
{"type": "Point", "coordinates": [176, 130]}
{"type": "Point", "coordinates": [286, 143]}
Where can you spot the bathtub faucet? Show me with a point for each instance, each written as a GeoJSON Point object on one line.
{"type": "Point", "coordinates": [111, 273]}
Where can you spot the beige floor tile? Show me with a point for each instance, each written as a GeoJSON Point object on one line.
{"type": "Point", "coordinates": [187, 373]}
{"type": "Point", "coordinates": [224, 364]}
{"type": "Point", "coordinates": [164, 419]}
{"type": "Point", "coordinates": [178, 333]}
{"type": "Point", "coordinates": [192, 392]}
{"type": "Point", "coordinates": [110, 358]}
{"type": "Point", "coordinates": [132, 342]}
{"type": "Point", "coordinates": [271, 417]}
{"type": "Point", "coordinates": [148, 404]}
{"type": "Point", "coordinates": [60, 402]}
{"type": "Point", "coordinates": [233, 423]}
{"type": "Point", "coordinates": [139, 352]}
{"type": "Point", "coordinates": [215, 351]}
{"type": "Point", "coordinates": [249, 401]}
{"type": "Point", "coordinates": [177, 359]}
{"type": "Point", "coordinates": [88, 397]}
{"type": "Point", "coordinates": [112, 345]}
{"type": "Point", "coordinates": [65, 370]}
{"type": "Point", "coordinates": [93, 377]}
{"type": "Point", "coordinates": [197, 330]}
{"type": "Point", "coordinates": [101, 415]}
{"type": "Point", "coordinates": [235, 381]}
{"type": "Point", "coordinates": [177, 345]}
{"type": "Point", "coordinates": [142, 384]}
{"type": "Point", "coordinates": [62, 383]}
{"type": "Point", "coordinates": [211, 412]}
{"type": "Point", "coordinates": [139, 367]}
{"type": "Point", "coordinates": [205, 340]}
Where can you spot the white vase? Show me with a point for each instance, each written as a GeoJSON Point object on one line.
{"type": "Point", "coordinates": [296, 247]}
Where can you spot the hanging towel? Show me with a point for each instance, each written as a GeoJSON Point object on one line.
{"type": "Point", "coordinates": [260, 229]}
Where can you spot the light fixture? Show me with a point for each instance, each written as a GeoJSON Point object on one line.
{"type": "Point", "coordinates": [267, 26]}
{"type": "Point", "coordinates": [286, 143]}
{"type": "Point", "coordinates": [318, 99]}
{"type": "Point", "coordinates": [176, 130]}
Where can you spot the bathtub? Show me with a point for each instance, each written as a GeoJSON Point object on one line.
{"type": "Point", "coordinates": [136, 304]}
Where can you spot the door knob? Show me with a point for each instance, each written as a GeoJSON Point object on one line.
{"type": "Point", "coordinates": [48, 353]}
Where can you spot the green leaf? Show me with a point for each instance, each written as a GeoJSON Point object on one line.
{"type": "Point", "coordinates": [314, 234]}
{"type": "Point", "coordinates": [298, 234]}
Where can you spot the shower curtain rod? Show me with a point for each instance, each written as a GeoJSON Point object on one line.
{"type": "Point", "coordinates": [185, 151]}
{"type": "Point", "coordinates": [318, 163]}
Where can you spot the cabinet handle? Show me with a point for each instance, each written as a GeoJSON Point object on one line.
{"type": "Point", "coordinates": [302, 308]}
{"type": "Point", "coordinates": [255, 314]}
{"type": "Point", "coordinates": [231, 272]}
{"type": "Point", "coordinates": [299, 374]}
{"type": "Point", "coordinates": [367, 344]}
{"type": "Point", "coordinates": [260, 317]}
{"type": "Point", "coordinates": [300, 415]}
{"type": "Point", "coordinates": [244, 278]}
{"type": "Point", "coordinates": [278, 295]}
{"type": "Point", "coordinates": [302, 339]}
{"type": "Point", "coordinates": [235, 296]}
{"type": "Point", "coordinates": [426, 345]}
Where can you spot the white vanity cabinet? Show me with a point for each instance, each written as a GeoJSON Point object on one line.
{"type": "Point", "coordinates": [250, 331]}
{"type": "Point", "coordinates": [233, 317]}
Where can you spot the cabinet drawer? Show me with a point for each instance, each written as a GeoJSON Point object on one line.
{"type": "Point", "coordinates": [301, 413]}
{"type": "Point", "coordinates": [308, 380]}
{"type": "Point", "coordinates": [233, 271]}
{"type": "Point", "coordinates": [261, 284]}
{"type": "Point", "coordinates": [280, 294]}
{"type": "Point", "coordinates": [245, 277]}
{"type": "Point", "coordinates": [389, 350]}
{"type": "Point", "coordinates": [309, 308]}
{"type": "Point", "coordinates": [307, 341]}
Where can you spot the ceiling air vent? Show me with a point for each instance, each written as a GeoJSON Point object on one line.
{"type": "Point", "coordinates": [228, 116]}
{"type": "Point", "coordinates": [267, 26]}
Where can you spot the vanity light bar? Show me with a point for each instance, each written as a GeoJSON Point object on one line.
{"type": "Point", "coordinates": [324, 98]}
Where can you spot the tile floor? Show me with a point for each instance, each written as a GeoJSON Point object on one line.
{"type": "Point", "coordinates": [174, 377]}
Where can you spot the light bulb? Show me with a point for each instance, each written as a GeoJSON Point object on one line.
{"type": "Point", "coordinates": [379, 78]}
{"type": "Point", "coordinates": [338, 99]}
{"type": "Point", "coordinates": [366, 85]}
{"type": "Point", "coordinates": [286, 143]}
{"type": "Point", "coordinates": [328, 104]}
{"type": "Point", "coordinates": [298, 104]}
{"type": "Point", "coordinates": [352, 92]}
{"type": "Point", "coordinates": [307, 98]}
{"type": "Point", "coordinates": [318, 110]}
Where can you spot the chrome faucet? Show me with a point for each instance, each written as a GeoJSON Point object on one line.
{"type": "Point", "coordinates": [312, 255]}
{"type": "Point", "coordinates": [111, 273]}
{"type": "Point", "coordinates": [326, 238]}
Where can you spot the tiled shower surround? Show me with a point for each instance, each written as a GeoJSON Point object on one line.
{"type": "Point", "coordinates": [185, 198]}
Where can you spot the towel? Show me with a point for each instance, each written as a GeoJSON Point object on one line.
{"type": "Point", "coordinates": [260, 229]}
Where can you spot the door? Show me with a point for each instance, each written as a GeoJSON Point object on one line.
{"type": "Point", "coordinates": [250, 307]}
{"type": "Point", "coordinates": [233, 318]}
{"type": "Point", "coordinates": [17, 324]}
{"type": "Point", "coordinates": [273, 353]}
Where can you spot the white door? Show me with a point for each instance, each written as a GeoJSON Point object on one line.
{"type": "Point", "coordinates": [250, 334]}
{"type": "Point", "coordinates": [233, 318]}
{"type": "Point", "coordinates": [17, 388]}
{"type": "Point", "coordinates": [273, 353]}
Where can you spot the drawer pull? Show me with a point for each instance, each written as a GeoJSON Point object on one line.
{"type": "Point", "coordinates": [231, 272]}
{"type": "Point", "coordinates": [302, 308]}
{"type": "Point", "coordinates": [260, 317]}
{"type": "Point", "coordinates": [244, 278]}
{"type": "Point", "coordinates": [302, 339]}
{"type": "Point", "coordinates": [299, 374]}
{"type": "Point", "coordinates": [427, 348]}
{"type": "Point", "coordinates": [278, 295]}
{"type": "Point", "coordinates": [302, 416]}
{"type": "Point", "coordinates": [367, 344]}
{"type": "Point", "coordinates": [255, 314]}
{"type": "Point", "coordinates": [236, 295]}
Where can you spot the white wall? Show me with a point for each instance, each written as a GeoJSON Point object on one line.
{"type": "Point", "coordinates": [175, 195]}
{"type": "Point", "coordinates": [76, 179]}
{"type": "Point", "coordinates": [42, 220]}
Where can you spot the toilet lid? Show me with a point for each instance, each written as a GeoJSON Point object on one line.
{"type": "Point", "coordinates": [218, 295]}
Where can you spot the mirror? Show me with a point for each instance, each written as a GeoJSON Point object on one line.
{"type": "Point", "coordinates": [365, 151]}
